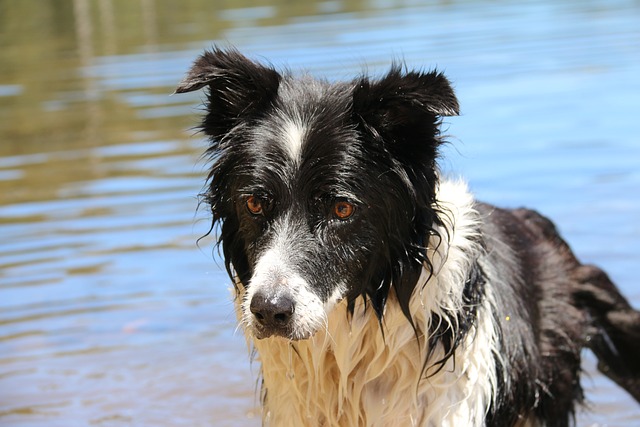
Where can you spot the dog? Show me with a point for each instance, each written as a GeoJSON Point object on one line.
{"type": "Point", "coordinates": [375, 291]}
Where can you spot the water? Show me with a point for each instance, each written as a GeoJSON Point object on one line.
{"type": "Point", "coordinates": [110, 315]}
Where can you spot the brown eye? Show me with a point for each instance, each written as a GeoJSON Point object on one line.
{"type": "Point", "coordinates": [343, 209]}
{"type": "Point", "coordinates": [254, 205]}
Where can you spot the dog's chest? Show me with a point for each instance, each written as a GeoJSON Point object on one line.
{"type": "Point", "coordinates": [351, 376]}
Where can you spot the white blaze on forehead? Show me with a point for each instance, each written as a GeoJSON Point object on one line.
{"type": "Point", "coordinates": [293, 137]}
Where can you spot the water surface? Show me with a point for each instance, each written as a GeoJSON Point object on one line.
{"type": "Point", "coordinates": [111, 315]}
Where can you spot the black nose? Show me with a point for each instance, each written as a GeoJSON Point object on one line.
{"type": "Point", "coordinates": [272, 312]}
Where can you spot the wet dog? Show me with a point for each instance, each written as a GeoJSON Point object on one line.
{"type": "Point", "coordinates": [376, 292]}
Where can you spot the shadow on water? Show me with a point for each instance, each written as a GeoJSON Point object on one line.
{"type": "Point", "coordinates": [110, 315]}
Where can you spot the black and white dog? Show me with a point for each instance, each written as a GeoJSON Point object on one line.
{"type": "Point", "coordinates": [376, 292]}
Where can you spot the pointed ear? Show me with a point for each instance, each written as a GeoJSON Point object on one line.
{"type": "Point", "coordinates": [238, 88]}
{"type": "Point", "coordinates": [401, 103]}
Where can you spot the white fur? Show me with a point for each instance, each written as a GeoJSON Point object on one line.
{"type": "Point", "coordinates": [293, 131]}
{"type": "Point", "coordinates": [347, 374]}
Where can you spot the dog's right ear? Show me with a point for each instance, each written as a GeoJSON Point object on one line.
{"type": "Point", "coordinates": [239, 89]}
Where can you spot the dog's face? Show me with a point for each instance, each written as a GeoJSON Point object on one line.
{"type": "Point", "coordinates": [323, 192]}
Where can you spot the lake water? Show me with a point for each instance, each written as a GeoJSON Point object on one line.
{"type": "Point", "coordinates": [112, 315]}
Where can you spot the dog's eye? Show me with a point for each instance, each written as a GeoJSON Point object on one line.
{"type": "Point", "coordinates": [255, 205]}
{"type": "Point", "coordinates": [343, 209]}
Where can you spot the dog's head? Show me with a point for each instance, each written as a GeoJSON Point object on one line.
{"type": "Point", "coordinates": [323, 191]}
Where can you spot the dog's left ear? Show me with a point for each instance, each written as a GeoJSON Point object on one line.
{"type": "Point", "coordinates": [401, 103]}
{"type": "Point", "coordinates": [239, 89]}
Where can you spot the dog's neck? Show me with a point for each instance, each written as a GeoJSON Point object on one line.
{"type": "Point", "coordinates": [351, 369]}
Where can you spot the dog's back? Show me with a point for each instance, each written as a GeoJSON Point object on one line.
{"type": "Point", "coordinates": [565, 306]}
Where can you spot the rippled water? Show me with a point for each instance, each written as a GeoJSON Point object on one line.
{"type": "Point", "coordinates": [110, 315]}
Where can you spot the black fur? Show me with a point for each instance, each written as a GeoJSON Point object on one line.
{"type": "Point", "coordinates": [374, 143]}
